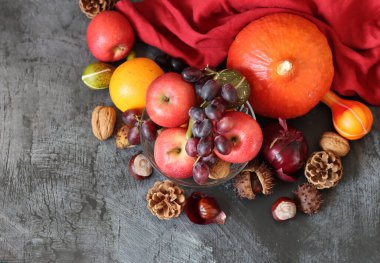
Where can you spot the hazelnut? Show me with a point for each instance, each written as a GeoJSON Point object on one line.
{"type": "Point", "coordinates": [333, 142]}
{"type": "Point", "coordinates": [103, 122]}
{"type": "Point", "coordinates": [219, 170]}
{"type": "Point", "coordinates": [140, 167]}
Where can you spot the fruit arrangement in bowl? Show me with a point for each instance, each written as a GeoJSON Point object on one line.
{"type": "Point", "coordinates": [197, 128]}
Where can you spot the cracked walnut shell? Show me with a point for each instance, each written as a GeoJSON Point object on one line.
{"type": "Point", "coordinates": [103, 122]}
{"type": "Point", "coordinates": [324, 169]}
{"type": "Point", "coordinates": [165, 200]}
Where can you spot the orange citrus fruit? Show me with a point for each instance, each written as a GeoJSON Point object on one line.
{"type": "Point", "coordinates": [130, 81]}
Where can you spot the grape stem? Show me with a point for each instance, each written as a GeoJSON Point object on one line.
{"type": "Point", "coordinates": [189, 132]}
{"type": "Point", "coordinates": [138, 119]}
{"type": "Point", "coordinates": [209, 72]}
{"type": "Point", "coordinates": [197, 160]}
{"type": "Point", "coordinates": [217, 75]}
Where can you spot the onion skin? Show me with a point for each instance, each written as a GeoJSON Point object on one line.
{"type": "Point", "coordinates": [285, 149]}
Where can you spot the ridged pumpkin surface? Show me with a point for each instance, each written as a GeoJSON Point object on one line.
{"type": "Point", "coordinates": [286, 60]}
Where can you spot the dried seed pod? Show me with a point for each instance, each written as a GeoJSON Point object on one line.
{"type": "Point", "coordinates": [121, 138]}
{"type": "Point", "coordinates": [324, 169]}
{"type": "Point", "coordinates": [308, 198]}
{"type": "Point", "coordinates": [255, 179]}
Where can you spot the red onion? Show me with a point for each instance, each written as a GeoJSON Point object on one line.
{"type": "Point", "coordinates": [285, 149]}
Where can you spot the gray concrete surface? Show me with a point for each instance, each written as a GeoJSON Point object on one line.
{"type": "Point", "coordinates": [65, 197]}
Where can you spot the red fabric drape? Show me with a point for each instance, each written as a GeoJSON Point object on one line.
{"type": "Point", "coordinates": [201, 31]}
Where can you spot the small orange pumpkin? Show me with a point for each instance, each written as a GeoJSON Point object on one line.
{"type": "Point", "coordinates": [286, 60]}
{"type": "Point", "coordinates": [351, 119]}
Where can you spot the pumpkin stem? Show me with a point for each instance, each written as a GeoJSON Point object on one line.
{"type": "Point", "coordinates": [284, 68]}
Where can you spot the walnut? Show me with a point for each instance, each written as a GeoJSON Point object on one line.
{"type": "Point", "coordinates": [324, 169]}
{"type": "Point", "coordinates": [103, 122]}
{"type": "Point", "coordinates": [219, 170]}
{"type": "Point", "coordinates": [333, 142]}
{"type": "Point", "coordinates": [165, 200]}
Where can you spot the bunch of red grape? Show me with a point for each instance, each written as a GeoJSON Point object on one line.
{"type": "Point", "coordinates": [207, 122]}
{"type": "Point", "coordinates": [168, 63]}
{"type": "Point", "coordinates": [132, 118]}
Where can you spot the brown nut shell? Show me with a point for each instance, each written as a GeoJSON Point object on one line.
{"type": "Point", "coordinates": [256, 178]}
{"type": "Point", "coordinates": [103, 122]}
{"type": "Point", "coordinates": [140, 167]}
{"type": "Point", "coordinates": [219, 170]}
{"type": "Point", "coordinates": [121, 138]}
{"type": "Point", "coordinates": [333, 142]}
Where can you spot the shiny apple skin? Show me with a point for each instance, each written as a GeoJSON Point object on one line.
{"type": "Point", "coordinates": [169, 99]}
{"type": "Point", "coordinates": [170, 154]}
{"type": "Point", "coordinates": [246, 136]}
{"type": "Point", "coordinates": [110, 37]}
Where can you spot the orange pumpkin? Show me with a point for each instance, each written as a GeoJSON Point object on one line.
{"type": "Point", "coordinates": [286, 60]}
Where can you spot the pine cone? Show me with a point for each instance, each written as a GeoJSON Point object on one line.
{"type": "Point", "coordinates": [165, 200]}
{"type": "Point", "coordinates": [93, 7]}
{"type": "Point", "coordinates": [308, 198]}
{"type": "Point", "coordinates": [324, 169]}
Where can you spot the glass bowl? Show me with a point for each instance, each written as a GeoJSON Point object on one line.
{"type": "Point", "coordinates": [235, 169]}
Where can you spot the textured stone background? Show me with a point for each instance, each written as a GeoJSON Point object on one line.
{"type": "Point", "coordinates": [65, 197]}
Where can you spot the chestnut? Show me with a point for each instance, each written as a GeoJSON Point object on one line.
{"type": "Point", "coordinates": [140, 167]}
{"type": "Point", "coordinates": [283, 209]}
{"type": "Point", "coordinates": [202, 209]}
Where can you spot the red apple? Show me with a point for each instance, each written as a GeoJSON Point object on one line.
{"type": "Point", "coordinates": [170, 154]}
{"type": "Point", "coordinates": [110, 37]}
{"type": "Point", "coordinates": [169, 99]}
{"type": "Point", "coordinates": [246, 137]}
